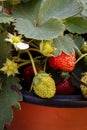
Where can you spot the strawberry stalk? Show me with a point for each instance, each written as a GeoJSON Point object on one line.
{"type": "Point", "coordinates": [80, 58]}
{"type": "Point", "coordinates": [34, 49]}
{"type": "Point", "coordinates": [33, 65]}
{"type": "Point", "coordinates": [24, 63]}
{"type": "Point", "coordinates": [45, 64]}
{"type": "Point", "coordinates": [32, 62]}
{"type": "Point", "coordinates": [81, 82]}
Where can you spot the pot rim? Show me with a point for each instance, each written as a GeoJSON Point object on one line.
{"type": "Point", "coordinates": [58, 101]}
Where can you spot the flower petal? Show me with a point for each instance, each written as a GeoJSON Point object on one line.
{"type": "Point", "coordinates": [22, 46]}
{"type": "Point", "coordinates": [8, 40]}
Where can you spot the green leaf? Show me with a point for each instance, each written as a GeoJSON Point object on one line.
{"type": "Point", "coordinates": [5, 49]}
{"type": "Point", "coordinates": [17, 106]}
{"type": "Point", "coordinates": [84, 12]}
{"type": "Point", "coordinates": [4, 18]}
{"type": "Point", "coordinates": [58, 8]}
{"type": "Point", "coordinates": [65, 44]}
{"type": "Point", "coordinates": [28, 11]}
{"type": "Point", "coordinates": [42, 17]}
{"type": "Point", "coordinates": [49, 30]}
{"type": "Point", "coordinates": [83, 1]}
{"type": "Point", "coordinates": [76, 25]}
{"type": "Point", "coordinates": [78, 40]}
{"type": "Point", "coordinates": [8, 97]}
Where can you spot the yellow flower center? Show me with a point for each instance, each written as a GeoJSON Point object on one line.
{"type": "Point", "coordinates": [48, 48]}
{"type": "Point", "coordinates": [10, 68]}
{"type": "Point", "coordinates": [16, 39]}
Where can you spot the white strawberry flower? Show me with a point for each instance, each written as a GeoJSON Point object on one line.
{"type": "Point", "coordinates": [17, 41]}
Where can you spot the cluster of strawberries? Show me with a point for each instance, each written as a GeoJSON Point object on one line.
{"type": "Point", "coordinates": [63, 62]}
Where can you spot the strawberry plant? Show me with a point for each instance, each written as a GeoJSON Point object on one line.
{"type": "Point", "coordinates": [43, 50]}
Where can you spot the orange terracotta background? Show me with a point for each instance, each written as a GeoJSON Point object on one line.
{"type": "Point", "coordinates": [33, 117]}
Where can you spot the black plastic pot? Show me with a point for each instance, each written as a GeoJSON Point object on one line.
{"type": "Point", "coordinates": [63, 101]}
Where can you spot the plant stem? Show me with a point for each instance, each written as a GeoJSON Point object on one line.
{"type": "Point", "coordinates": [1, 28]}
{"type": "Point", "coordinates": [30, 41]}
{"type": "Point", "coordinates": [32, 61]}
{"type": "Point", "coordinates": [33, 44]}
{"type": "Point", "coordinates": [24, 63]}
{"type": "Point", "coordinates": [34, 49]}
{"type": "Point", "coordinates": [33, 65]}
{"type": "Point", "coordinates": [80, 58]}
{"type": "Point", "coordinates": [83, 83]}
{"type": "Point", "coordinates": [45, 64]}
{"type": "Point", "coordinates": [38, 57]}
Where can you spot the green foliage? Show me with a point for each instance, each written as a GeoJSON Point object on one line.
{"type": "Point", "coordinates": [43, 18]}
{"type": "Point", "coordinates": [76, 25]}
{"type": "Point", "coordinates": [79, 69]}
{"type": "Point", "coordinates": [5, 49]}
{"type": "Point", "coordinates": [64, 22]}
{"type": "Point", "coordinates": [58, 8]}
{"type": "Point", "coordinates": [48, 30]}
{"type": "Point", "coordinates": [65, 44]}
{"type": "Point", "coordinates": [8, 97]}
{"type": "Point", "coordinates": [83, 1]}
{"type": "Point", "coordinates": [78, 40]}
{"type": "Point", "coordinates": [4, 18]}
{"type": "Point", "coordinates": [84, 12]}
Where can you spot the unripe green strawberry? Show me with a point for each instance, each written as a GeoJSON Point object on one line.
{"type": "Point", "coordinates": [84, 48]}
{"type": "Point", "coordinates": [43, 85]}
{"type": "Point", "coordinates": [85, 60]}
{"type": "Point", "coordinates": [82, 87]}
{"type": "Point", "coordinates": [79, 53]}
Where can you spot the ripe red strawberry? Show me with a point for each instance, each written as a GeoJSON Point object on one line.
{"type": "Point", "coordinates": [63, 62]}
{"type": "Point", "coordinates": [28, 74]}
{"type": "Point", "coordinates": [65, 86]}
